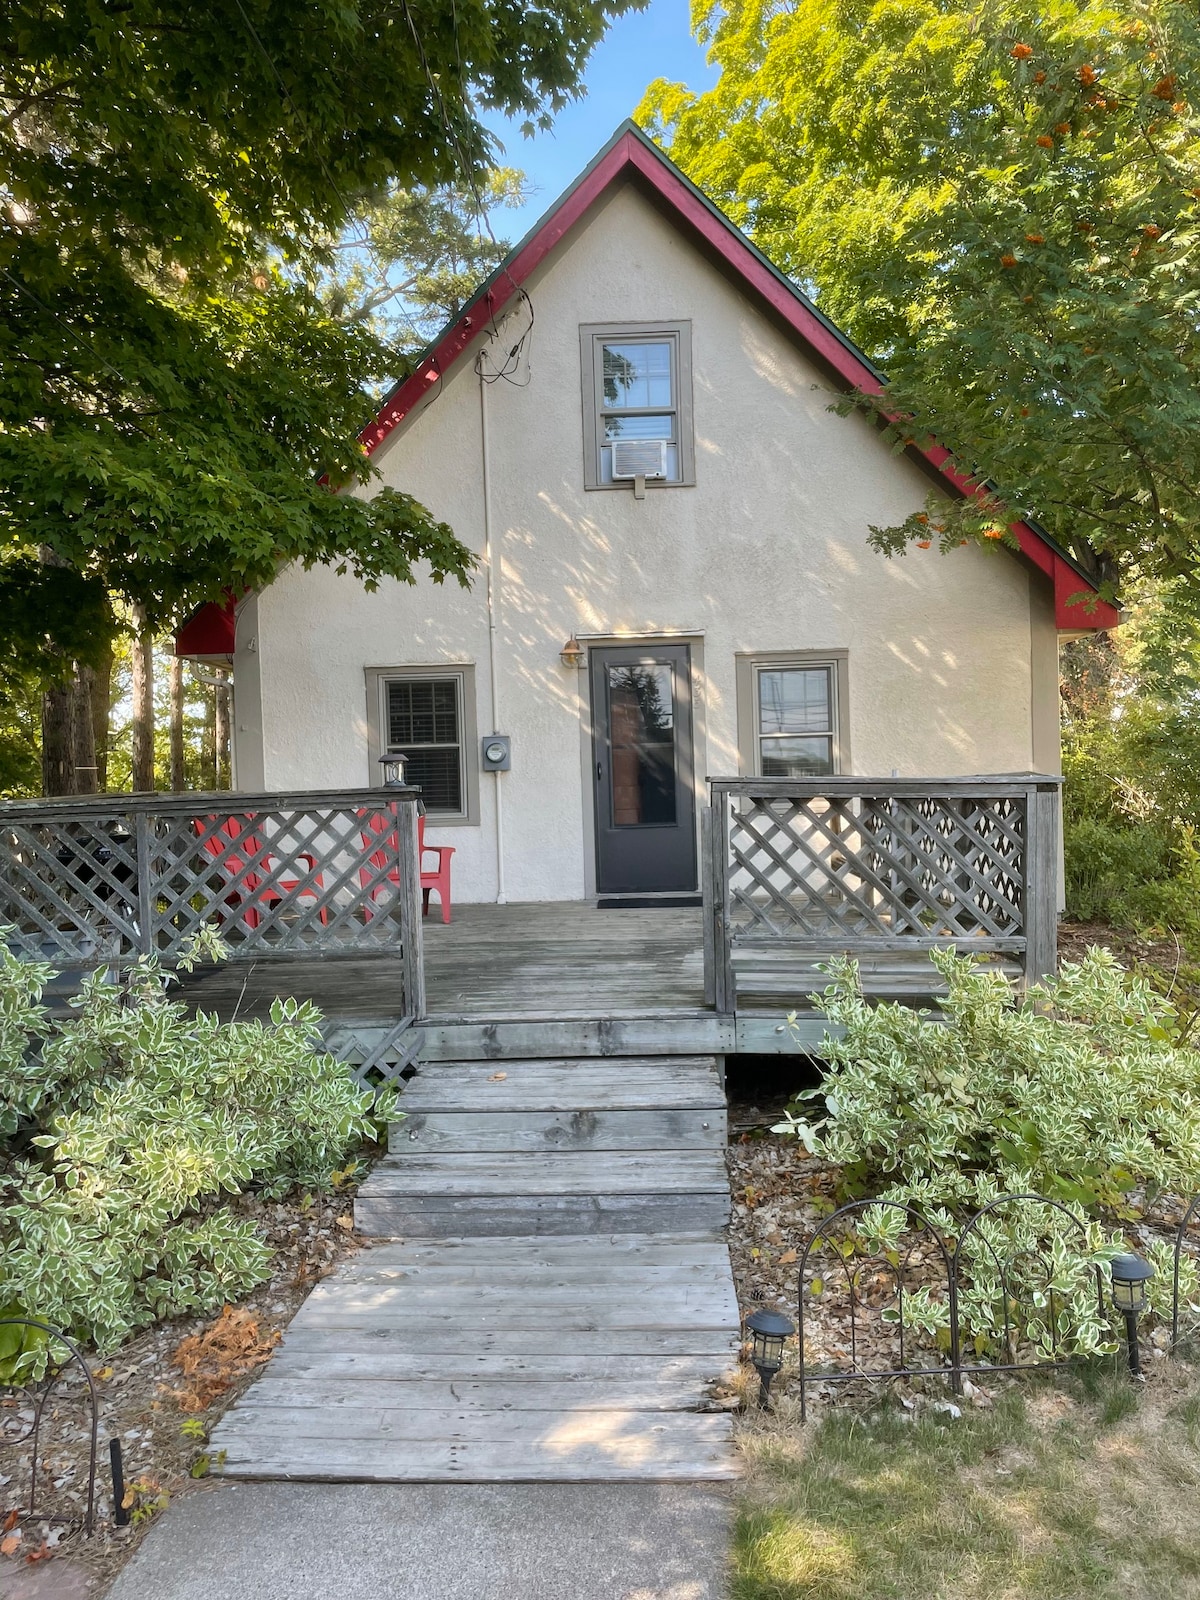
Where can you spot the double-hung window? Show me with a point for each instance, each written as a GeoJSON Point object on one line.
{"type": "Point", "coordinates": [426, 716]}
{"type": "Point", "coordinates": [637, 391]}
{"type": "Point", "coordinates": [791, 710]}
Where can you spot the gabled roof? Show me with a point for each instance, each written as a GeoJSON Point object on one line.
{"type": "Point", "coordinates": [631, 155]}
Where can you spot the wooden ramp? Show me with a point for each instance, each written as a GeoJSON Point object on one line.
{"type": "Point", "coordinates": [554, 1303]}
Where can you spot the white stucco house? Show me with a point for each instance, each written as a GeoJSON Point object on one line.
{"type": "Point", "coordinates": [630, 426]}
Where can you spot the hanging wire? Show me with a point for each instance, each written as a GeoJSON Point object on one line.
{"type": "Point", "coordinates": [522, 346]}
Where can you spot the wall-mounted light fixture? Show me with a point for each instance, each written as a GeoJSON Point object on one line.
{"type": "Point", "coordinates": [572, 653]}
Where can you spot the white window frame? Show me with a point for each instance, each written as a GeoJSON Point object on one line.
{"type": "Point", "coordinates": [462, 675]}
{"type": "Point", "coordinates": [749, 668]}
{"type": "Point", "coordinates": [594, 335]}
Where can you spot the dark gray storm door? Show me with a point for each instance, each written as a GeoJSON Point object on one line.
{"type": "Point", "coordinates": [642, 769]}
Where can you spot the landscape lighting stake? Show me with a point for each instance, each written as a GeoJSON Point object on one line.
{"type": "Point", "coordinates": [120, 1510]}
{"type": "Point", "coordinates": [393, 771]}
{"type": "Point", "coordinates": [769, 1330]}
{"type": "Point", "coordinates": [1130, 1274]}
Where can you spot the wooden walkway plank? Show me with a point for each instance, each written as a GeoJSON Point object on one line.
{"type": "Point", "coordinates": [345, 1368]}
{"type": "Point", "coordinates": [538, 1314]}
{"type": "Point", "coordinates": [531, 1342]}
{"type": "Point", "coordinates": [646, 1172]}
{"type": "Point", "coordinates": [699, 1454]}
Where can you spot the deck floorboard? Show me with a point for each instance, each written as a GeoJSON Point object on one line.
{"type": "Point", "coordinates": [548, 959]}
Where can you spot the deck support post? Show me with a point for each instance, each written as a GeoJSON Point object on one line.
{"type": "Point", "coordinates": [412, 1000]}
{"type": "Point", "coordinates": [1041, 883]}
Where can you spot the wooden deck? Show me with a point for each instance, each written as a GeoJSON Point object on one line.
{"type": "Point", "coordinates": [564, 959]}
{"type": "Point", "coordinates": [546, 979]}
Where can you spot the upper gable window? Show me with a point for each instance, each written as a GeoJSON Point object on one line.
{"type": "Point", "coordinates": [637, 404]}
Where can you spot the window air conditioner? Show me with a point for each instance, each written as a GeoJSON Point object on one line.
{"type": "Point", "coordinates": [639, 458]}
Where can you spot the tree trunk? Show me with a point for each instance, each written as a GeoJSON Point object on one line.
{"type": "Point", "coordinates": [222, 738]}
{"type": "Point", "coordinates": [58, 743]}
{"type": "Point", "coordinates": [68, 744]}
{"type": "Point", "coordinates": [143, 706]}
{"type": "Point", "coordinates": [210, 739]}
{"type": "Point", "coordinates": [101, 707]}
{"type": "Point", "coordinates": [83, 734]}
{"type": "Point", "coordinates": [178, 771]}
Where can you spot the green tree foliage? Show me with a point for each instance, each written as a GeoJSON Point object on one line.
{"type": "Point", "coordinates": [412, 259]}
{"type": "Point", "coordinates": [172, 406]}
{"type": "Point", "coordinates": [1131, 756]}
{"type": "Point", "coordinates": [126, 1127]}
{"type": "Point", "coordinates": [999, 201]}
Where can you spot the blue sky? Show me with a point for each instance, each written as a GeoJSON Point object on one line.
{"type": "Point", "coordinates": [639, 47]}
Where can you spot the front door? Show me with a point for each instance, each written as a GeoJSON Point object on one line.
{"type": "Point", "coordinates": [642, 769]}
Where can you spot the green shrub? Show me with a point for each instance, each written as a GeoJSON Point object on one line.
{"type": "Point", "coordinates": [1108, 863]}
{"type": "Point", "coordinates": [127, 1124]}
{"type": "Point", "coordinates": [1078, 1090]}
{"type": "Point", "coordinates": [1082, 1090]}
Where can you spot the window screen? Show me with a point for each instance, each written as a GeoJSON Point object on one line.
{"type": "Point", "coordinates": [637, 389]}
{"type": "Point", "coordinates": [424, 723]}
{"type": "Point", "coordinates": [795, 712]}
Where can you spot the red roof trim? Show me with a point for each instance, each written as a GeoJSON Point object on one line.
{"type": "Point", "coordinates": [632, 153]}
{"type": "Point", "coordinates": [210, 631]}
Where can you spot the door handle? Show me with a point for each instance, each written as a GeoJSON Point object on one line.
{"type": "Point", "coordinates": [599, 772]}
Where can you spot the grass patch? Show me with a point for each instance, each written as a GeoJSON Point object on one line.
{"type": "Point", "coordinates": [1067, 1493]}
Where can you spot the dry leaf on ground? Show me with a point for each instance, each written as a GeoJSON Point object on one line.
{"type": "Point", "coordinates": [213, 1358]}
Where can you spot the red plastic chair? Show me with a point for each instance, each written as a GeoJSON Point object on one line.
{"type": "Point", "coordinates": [383, 869]}
{"type": "Point", "coordinates": [235, 846]}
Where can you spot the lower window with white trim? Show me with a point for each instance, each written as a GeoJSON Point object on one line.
{"type": "Point", "coordinates": [791, 714]}
{"type": "Point", "coordinates": [427, 715]}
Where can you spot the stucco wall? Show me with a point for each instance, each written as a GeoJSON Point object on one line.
{"type": "Point", "coordinates": [767, 552]}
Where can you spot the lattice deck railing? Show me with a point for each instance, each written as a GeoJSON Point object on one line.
{"type": "Point", "coordinates": [88, 882]}
{"type": "Point", "coordinates": [884, 870]}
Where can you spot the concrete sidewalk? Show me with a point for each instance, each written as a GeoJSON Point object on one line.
{"type": "Point", "coordinates": [512, 1541]}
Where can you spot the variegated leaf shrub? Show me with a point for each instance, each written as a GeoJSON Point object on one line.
{"type": "Point", "coordinates": [127, 1126]}
{"type": "Point", "coordinates": [1082, 1090]}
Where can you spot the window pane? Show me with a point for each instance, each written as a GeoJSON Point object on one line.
{"type": "Point", "coordinates": [797, 758]}
{"type": "Point", "coordinates": [639, 427]}
{"type": "Point", "coordinates": [422, 712]}
{"type": "Point", "coordinates": [637, 374]}
{"type": "Point", "coordinates": [641, 713]}
{"type": "Point", "coordinates": [437, 774]}
{"type": "Point", "coordinates": [795, 700]}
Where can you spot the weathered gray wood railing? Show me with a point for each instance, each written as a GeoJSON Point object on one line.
{"type": "Point", "coordinates": [881, 869]}
{"type": "Point", "coordinates": [89, 882]}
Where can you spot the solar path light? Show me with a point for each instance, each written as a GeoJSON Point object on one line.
{"type": "Point", "coordinates": [769, 1331]}
{"type": "Point", "coordinates": [393, 771]}
{"type": "Point", "coordinates": [1130, 1275]}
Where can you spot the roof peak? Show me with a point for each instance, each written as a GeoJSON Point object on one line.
{"type": "Point", "coordinates": [630, 154]}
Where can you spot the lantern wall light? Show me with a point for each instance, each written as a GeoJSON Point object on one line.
{"type": "Point", "coordinates": [1130, 1275]}
{"type": "Point", "coordinates": [769, 1332]}
{"type": "Point", "coordinates": [572, 653]}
